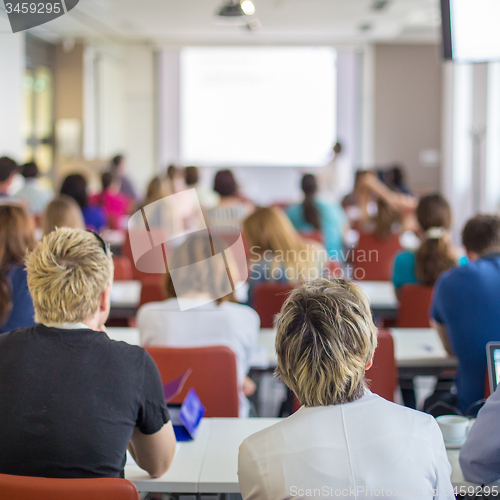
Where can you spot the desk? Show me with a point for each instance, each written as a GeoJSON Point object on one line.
{"type": "Point", "coordinates": [125, 298]}
{"type": "Point", "coordinates": [184, 473]}
{"type": "Point", "coordinates": [382, 296]}
{"type": "Point", "coordinates": [219, 473]}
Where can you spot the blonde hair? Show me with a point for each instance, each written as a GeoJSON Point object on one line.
{"type": "Point", "coordinates": [268, 229]}
{"type": "Point", "coordinates": [196, 275]}
{"type": "Point", "coordinates": [325, 339]}
{"type": "Point", "coordinates": [68, 271]}
{"type": "Point", "coordinates": [62, 211]}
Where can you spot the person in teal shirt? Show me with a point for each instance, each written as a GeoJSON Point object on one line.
{"type": "Point", "coordinates": [312, 215]}
{"type": "Point", "coordinates": [436, 253]}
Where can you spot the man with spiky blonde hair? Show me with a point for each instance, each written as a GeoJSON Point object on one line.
{"type": "Point", "coordinates": [71, 399]}
{"type": "Point", "coordinates": [344, 441]}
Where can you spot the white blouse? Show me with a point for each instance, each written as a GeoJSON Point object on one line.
{"type": "Point", "coordinates": [365, 449]}
{"type": "Point", "coordinates": [233, 325]}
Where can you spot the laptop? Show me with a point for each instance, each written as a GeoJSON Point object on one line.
{"type": "Point", "coordinates": [493, 354]}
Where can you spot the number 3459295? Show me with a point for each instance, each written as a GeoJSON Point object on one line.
{"type": "Point", "coordinates": [33, 8]}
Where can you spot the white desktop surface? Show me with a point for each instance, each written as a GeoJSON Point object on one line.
{"type": "Point", "coordinates": [382, 294]}
{"type": "Point", "coordinates": [125, 294]}
{"type": "Point", "coordinates": [219, 473]}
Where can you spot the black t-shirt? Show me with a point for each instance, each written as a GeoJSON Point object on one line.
{"type": "Point", "coordinates": [69, 402]}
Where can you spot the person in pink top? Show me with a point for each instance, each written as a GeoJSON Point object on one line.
{"type": "Point", "coordinates": [115, 204]}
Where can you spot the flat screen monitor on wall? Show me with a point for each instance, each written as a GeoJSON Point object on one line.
{"type": "Point", "coordinates": [257, 106]}
{"type": "Point", "coordinates": [470, 30]}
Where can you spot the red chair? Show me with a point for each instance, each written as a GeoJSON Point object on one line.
{"type": "Point", "coordinates": [373, 258]}
{"type": "Point", "coordinates": [213, 375]}
{"type": "Point", "coordinates": [312, 235]}
{"type": "Point", "coordinates": [267, 300]}
{"type": "Point", "coordinates": [414, 305]}
{"type": "Point", "coordinates": [41, 488]}
{"type": "Point", "coordinates": [123, 269]}
{"type": "Point", "coordinates": [382, 377]}
{"type": "Point", "coordinates": [151, 292]}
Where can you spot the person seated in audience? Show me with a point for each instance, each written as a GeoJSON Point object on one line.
{"type": "Point", "coordinates": [465, 309]}
{"type": "Point", "coordinates": [480, 454]}
{"type": "Point", "coordinates": [436, 253]}
{"type": "Point", "coordinates": [174, 179]}
{"type": "Point", "coordinates": [214, 319]}
{"type": "Point", "coordinates": [75, 186]}
{"type": "Point", "coordinates": [16, 238]}
{"type": "Point", "coordinates": [343, 438]}
{"type": "Point", "coordinates": [118, 167]}
{"type": "Point", "coordinates": [232, 209]}
{"type": "Point", "coordinates": [208, 198]}
{"type": "Point", "coordinates": [396, 180]}
{"type": "Point", "coordinates": [62, 211]}
{"type": "Point", "coordinates": [311, 214]}
{"type": "Point", "coordinates": [115, 204]}
{"type": "Point", "coordinates": [277, 251]}
{"type": "Point", "coordinates": [34, 193]}
{"type": "Point", "coordinates": [72, 400]}
{"type": "Point", "coordinates": [8, 169]}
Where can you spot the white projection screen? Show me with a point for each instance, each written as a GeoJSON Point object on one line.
{"type": "Point", "coordinates": [252, 106]}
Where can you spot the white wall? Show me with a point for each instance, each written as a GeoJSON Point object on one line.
{"type": "Point", "coordinates": [12, 63]}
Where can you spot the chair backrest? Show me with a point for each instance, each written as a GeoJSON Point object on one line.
{"type": "Point", "coordinates": [373, 257]}
{"type": "Point", "coordinates": [123, 269]}
{"type": "Point", "coordinates": [314, 235]}
{"type": "Point", "coordinates": [213, 375]}
{"type": "Point", "coordinates": [267, 300]}
{"type": "Point", "coordinates": [382, 376]}
{"type": "Point", "coordinates": [151, 292]}
{"type": "Point", "coordinates": [414, 304]}
{"type": "Point", "coordinates": [41, 488]}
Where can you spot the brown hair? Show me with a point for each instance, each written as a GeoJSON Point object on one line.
{"type": "Point", "coordinates": [435, 254]}
{"type": "Point", "coordinates": [482, 233]}
{"type": "Point", "coordinates": [225, 184]}
{"type": "Point", "coordinates": [62, 211]}
{"type": "Point", "coordinates": [16, 238]}
{"type": "Point", "coordinates": [325, 338]}
{"type": "Point", "coordinates": [191, 175]}
{"type": "Point", "coordinates": [385, 219]}
{"type": "Point", "coordinates": [310, 210]}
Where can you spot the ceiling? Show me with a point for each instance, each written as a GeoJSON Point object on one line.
{"type": "Point", "coordinates": [282, 21]}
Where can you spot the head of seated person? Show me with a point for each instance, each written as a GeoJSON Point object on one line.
{"type": "Point", "coordinates": [62, 211]}
{"type": "Point", "coordinates": [325, 341]}
{"type": "Point", "coordinates": [197, 270]}
{"type": "Point", "coordinates": [225, 184]}
{"type": "Point", "coordinates": [70, 273]}
{"type": "Point", "coordinates": [277, 246]}
{"type": "Point", "coordinates": [481, 236]}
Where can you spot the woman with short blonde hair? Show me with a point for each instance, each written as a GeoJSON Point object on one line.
{"type": "Point", "coordinates": [344, 441]}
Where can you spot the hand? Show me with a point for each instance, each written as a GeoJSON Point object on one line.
{"type": "Point", "coordinates": [249, 386]}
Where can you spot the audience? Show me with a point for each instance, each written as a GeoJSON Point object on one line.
{"type": "Point", "coordinates": [62, 211]}
{"type": "Point", "coordinates": [465, 308]}
{"type": "Point", "coordinates": [480, 455]}
{"type": "Point", "coordinates": [118, 167]}
{"type": "Point", "coordinates": [311, 214]}
{"type": "Point", "coordinates": [34, 193]}
{"type": "Point", "coordinates": [343, 437]}
{"type": "Point", "coordinates": [72, 400]}
{"type": "Point", "coordinates": [115, 204]}
{"type": "Point", "coordinates": [277, 252]}
{"type": "Point", "coordinates": [208, 198]}
{"type": "Point", "coordinates": [75, 186]}
{"type": "Point", "coordinates": [435, 254]}
{"type": "Point", "coordinates": [16, 238]}
{"type": "Point", "coordinates": [232, 209]}
{"type": "Point", "coordinates": [8, 169]}
{"type": "Point", "coordinates": [215, 321]}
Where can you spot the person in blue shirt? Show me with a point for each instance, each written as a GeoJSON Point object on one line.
{"type": "Point", "coordinates": [94, 217]}
{"type": "Point", "coordinates": [312, 215]}
{"type": "Point", "coordinates": [16, 238]}
{"type": "Point", "coordinates": [465, 310]}
{"type": "Point", "coordinates": [435, 254]}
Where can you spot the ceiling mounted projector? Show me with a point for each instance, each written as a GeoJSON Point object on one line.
{"type": "Point", "coordinates": [235, 12]}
